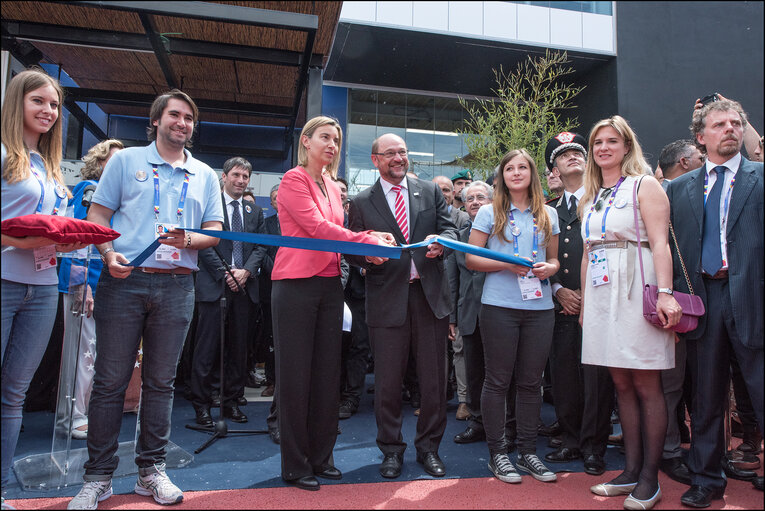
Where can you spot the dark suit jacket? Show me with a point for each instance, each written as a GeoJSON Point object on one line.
{"type": "Point", "coordinates": [208, 282]}
{"type": "Point", "coordinates": [466, 287]}
{"type": "Point", "coordinates": [744, 236]}
{"type": "Point", "coordinates": [387, 285]}
{"type": "Point", "coordinates": [570, 248]}
{"type": "Point", "coordinates": [272, 226]}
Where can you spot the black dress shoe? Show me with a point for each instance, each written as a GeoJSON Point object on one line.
{"type": "Point", "coordinates": [241, 401]}
{"type": "Point", "coordinates": [757, 483]}
{"type": "Point", "coordinates": [305, 483]}
{"type": "Point", "coordinates": [275, 436]}
{"type": "Point", "coordinates": [676, 469]}
{"type": "Point", "coordinates": [203, 415]}
{"type": "Point", "coordinates": [234, 413]}
{"type": "Point", "coordinates": [551, 430]}
{"type": "Point", "coordinates": [563, 455]}
{"type": "Point", "coordinates": [469, 436]}
{"type": "Point", "coordinates": [554, 442]}
{"type": "Point", "coordinates": [328, 472]}
{"type": "Point", "coordinates": [391, 466]}
{"type": "Point", "coordinates": [594, 464]}
{"type": "Point", "coordinates": [699, 496]}
{"type": "Point", "coordinates": [432, 463]}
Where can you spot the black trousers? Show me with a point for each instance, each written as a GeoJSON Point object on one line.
{"type": "Point", "coordinates": [472, 347]}
{"type": "Point", "coordinates": [308, 321]}
{"type": "Point", "coordinates": [708, 363]}
{"type": "Point", "coordinates": [583, 394]}
{"type": "Point", "coordinates": [207, 349]}
{"type": "Point", "coordinates": [426, 335]}
{"type": "Point", "coordinates": [355, 353]}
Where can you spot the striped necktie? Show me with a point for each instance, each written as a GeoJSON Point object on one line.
{"type": "Point", "coordinates": [400, 212]}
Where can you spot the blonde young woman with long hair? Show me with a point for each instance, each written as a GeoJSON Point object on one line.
{"type": "Point", "coordinates": [307, 307]}
{"type": "Point", "coordinates": [517, 315]}
{"type": "Point", "coordinates": [614, 332]}
{"type": "Point", "coordinates": [32, 183]}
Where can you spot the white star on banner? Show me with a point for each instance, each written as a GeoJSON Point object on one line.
{"type": "Point", "coordinates": [91, 367]}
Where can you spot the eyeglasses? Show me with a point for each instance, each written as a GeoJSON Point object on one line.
{"type": "Point", "coordinates": [473, 198]}
{"type": "Point", "coordinates": [391, 154]}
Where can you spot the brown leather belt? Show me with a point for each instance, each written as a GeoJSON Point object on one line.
{"type": "Point", "coordinates": [165, 271]}
{"type": "Point", "coordinates": [721, 274]}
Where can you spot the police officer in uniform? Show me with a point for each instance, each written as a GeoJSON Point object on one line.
{"type": "Point", "coordinates": [583, 394]}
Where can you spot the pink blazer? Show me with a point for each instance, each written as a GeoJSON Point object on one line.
{"type": "Point", "coordinates": [304, 212]}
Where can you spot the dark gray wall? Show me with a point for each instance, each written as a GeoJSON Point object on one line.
{"type": "Point", "coordinates": [670, 53]}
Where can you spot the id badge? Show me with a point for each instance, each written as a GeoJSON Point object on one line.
{"type": "Point", "coordinates": [531, 286]}
{"type": "Point", "coordinates": [599, 267]}
{"type": "Point", "coordinates": [165, 252]}
{"type": "Point", "coordinates": [45, 257]}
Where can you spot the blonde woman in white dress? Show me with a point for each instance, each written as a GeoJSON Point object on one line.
{"type": "Point", "coordinates": [614, 332]}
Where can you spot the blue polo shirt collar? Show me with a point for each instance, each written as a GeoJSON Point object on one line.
{"type": "Point", "coordinates": [154, 158]}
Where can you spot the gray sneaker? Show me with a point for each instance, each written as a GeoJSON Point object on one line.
{"type": "Point", "coordinates": [159, 486]}
{"type": "Point", "coordinates": [91, 493]}
{"type": "Point", "coordinates": [503, 469]}
{"type": "Point", "coordinates": [530, 463]}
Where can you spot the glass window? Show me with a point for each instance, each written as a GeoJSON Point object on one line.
{"type": "Point", "coordinates": [593, 7]}
{"type": "Point", "coordinates": [428, 125]}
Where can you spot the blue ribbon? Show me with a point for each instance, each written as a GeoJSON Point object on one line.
{"type": "Point", "coordinates": [341, 247]}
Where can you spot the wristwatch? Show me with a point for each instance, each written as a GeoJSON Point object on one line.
{"type": "Point", "coordinates": [103, 254]}
{"type": "Point", "coordinates": [665, 290]}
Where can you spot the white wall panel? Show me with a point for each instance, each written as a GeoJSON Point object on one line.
{"type": "Point", "coordinates": [466, 17]}
{"type": "Point", "coordinates": [534, 24]}
{"type": "Point", "coordinates": [500, 20]}
{"type": "Point", "coordinates": [597, 32]}
{"type": "Point", "coordinates": [395, 13]}
{"type": "Point", "coordinates": [431, 15]}
{"type": "Point", "coordinates": [565, 28]}
{"type": "Point", "coordinates": [363, 11]}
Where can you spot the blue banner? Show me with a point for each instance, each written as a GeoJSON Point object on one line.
{"type": "Point", "coordinates": [341, 247]}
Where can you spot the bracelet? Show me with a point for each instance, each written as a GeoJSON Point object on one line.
{"type": "Point", "coordinates": [106, 251]}
{"type": "Point", "coordinates": [188, 240]}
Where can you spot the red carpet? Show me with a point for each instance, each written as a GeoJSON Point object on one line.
{"type": "Point", "coordinates": [570, 492]}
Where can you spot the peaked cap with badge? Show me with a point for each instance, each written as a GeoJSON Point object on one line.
{"type": "Point", "coordinates": [563, 142]}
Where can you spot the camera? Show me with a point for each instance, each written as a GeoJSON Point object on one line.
{"type": "Point", "coordinates": [709, 99]}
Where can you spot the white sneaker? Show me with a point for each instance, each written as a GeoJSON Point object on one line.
{"type": "Point", "coordinates": [159, 486]}
{"type": "Point", "coordinates": [91, 493]}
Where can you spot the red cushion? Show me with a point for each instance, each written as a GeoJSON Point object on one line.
{"type": "Point", "coordinates": [61, 229]}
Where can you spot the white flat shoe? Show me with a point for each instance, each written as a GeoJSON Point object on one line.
{"type": "Point", "coordinates": [640, 505]}
{"type": "Point", "coordinates": [612, 490]}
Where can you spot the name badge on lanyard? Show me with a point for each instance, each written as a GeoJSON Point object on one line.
{"type": "Point", "coordinates": [529, 284]}
{"type": "Point", "coordinates": [166, 252]}
{"type": "Point", "coordinates": [598, 262]}
{"type": "Point", "coordinates": [45, 257]}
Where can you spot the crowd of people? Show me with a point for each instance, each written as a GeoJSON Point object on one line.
{"type": "Point", "coordinates": [569, 303]}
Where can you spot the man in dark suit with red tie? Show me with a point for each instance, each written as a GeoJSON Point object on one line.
{"type": "Point", "coordinates": [245, 260]}
{"type": "Point", "coordinates": [407, 303]}
{"type": "Point", "coordinates": [717, 214]}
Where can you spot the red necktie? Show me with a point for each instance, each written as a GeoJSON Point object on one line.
{"type": "Point", "coordinates": [400, 212]}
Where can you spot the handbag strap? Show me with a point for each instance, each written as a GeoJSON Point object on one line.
{"type": "Point", "coordinates": [680, 256]}
{"type": "Point", "coordinates": [637, 228]}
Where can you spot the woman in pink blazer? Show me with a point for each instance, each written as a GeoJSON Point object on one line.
{"type": "Point", "coordinates": [307, 307]}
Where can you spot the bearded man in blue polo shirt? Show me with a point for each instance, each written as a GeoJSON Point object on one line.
{"type": "Point", "coordinates": [147, 192]}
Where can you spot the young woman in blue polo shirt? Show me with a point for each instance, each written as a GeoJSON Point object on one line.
{"type": "Point", "coordinates": [32, 183]}
{"type": "Point", "coordinates": [516, 309]}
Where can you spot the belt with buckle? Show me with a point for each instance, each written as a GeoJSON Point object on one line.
{"type": "Point", "coordinates": [616, 244]}
{"type": "Point", "coordinates": [166, 271]}
{"type": "Point", "coordinates": [722, 273]}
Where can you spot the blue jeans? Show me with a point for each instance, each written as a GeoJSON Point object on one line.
{"type": "Point", "coordinates": [28, 313]}
{"type": "Point", "coordinates": [158, 308]}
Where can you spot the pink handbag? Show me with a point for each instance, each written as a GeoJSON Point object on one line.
{"type": "Point", "coordinates": [692, 305]}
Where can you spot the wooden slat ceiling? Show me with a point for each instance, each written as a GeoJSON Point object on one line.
{"type": "Point", "coordinates": [200, 77]}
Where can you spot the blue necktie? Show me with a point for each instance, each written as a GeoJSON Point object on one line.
{"type": "Point", "coordinates": [236, 226]}
{"type": "Point", "coordinates": [711, 252]}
